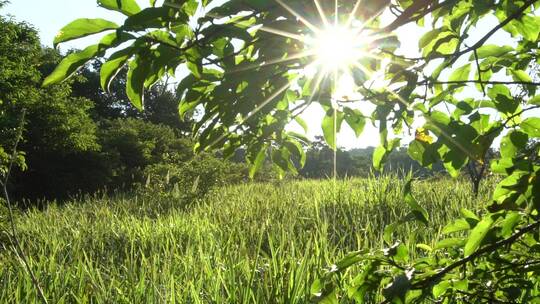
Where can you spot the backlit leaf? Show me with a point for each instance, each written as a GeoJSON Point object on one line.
{"type": "Point", "coordinates": [477, 235]}
{"type": "Point", "coordinates": [83, 27]}
{"type": "Point", "coordinates": [70, 64]}
{"type": "Point", "coordinates": [127, 7]}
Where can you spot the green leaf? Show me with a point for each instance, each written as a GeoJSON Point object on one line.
{"type": "Point", "coordinates": [450, 242]}
{"type": "Point", "coordinates": [83, 27]}
{"type": "Point", "coordinates": [114, 39]}
{"type": "Point", "coordinates": [258, 162]}
{"type": "Point", "coordinates": [419, 212]}
{"type": "Point", "coordinates": [71, 64]}
{"type": "Point", "coordinates": [152, 17]}
{"type": "Point", "coordinates": [331, 125]}
{"type": "Point", "coordinates": [454, 160]}
{"type": "Point", "coordinates": [469, 214]}
{"type": "Point", "coordinates": [520, 75]}
{"type": "Point", "coordinates": [112, 66]}
{"type": "Point", "coordinates": [135, 81]}
{"type": "Point", "coordinates": [492, 50]}
{"type": "Point", "coordinates": [457, 225]}
{"type": "Point", "coordinates": [397, 289]}
{"type": "Point", "coordinates": [462, 285]}
{"type": "Point", "coordinates": [424, 247]}
{"type": "Point", "coordinates": [441, 288]}
{"type": "Point", "coordinates": [302, 123]}
{"type": "Point", "coordinates": [348, 261]}
{"type": "Point", "coordinates": [282, 159]}
{"type": "Point", "coordinates": [502, 97]}
{"type": "Point", "coordinates": [355, 120]}
{"type": "Point", "coordinates": [528, 27]}
{"type": "Point", "coordinates": [512, 143]}
{"type": "Point", "coordinates": [535, 100]}
{"type": "Point", "coordinates": [193, 62]}
{"type": "Point", "coordinates": [296, 149]}
{"type": "Point", "coordinates": [389, 231]}
{"type": "Point", "coordinates": [379, 157]}
{"type": "Point", "coordinates": [502, 166]}
{"type": "Point", "coordinates": [461, 74]}
{"type": "Point", "coordinates": [191, 7]}
{"type": "Point", "coordinates": [477, 235]}
{"type": "Point", "coordinates": [531, 126]}
{"type": "Point", "coordinates": [428, 37]}
{"type": "Point", "coordinates": [509, 223]}
{"type": "Point", "coordinates": [126, 7]}
{"type": "Point", "coordinates": [424, 153]}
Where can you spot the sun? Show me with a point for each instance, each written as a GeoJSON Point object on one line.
{"type": "Point", "coordinates": [337, 48]}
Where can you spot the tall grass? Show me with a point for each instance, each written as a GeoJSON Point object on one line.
{"type": "Point", "coordinates": [254, 243]}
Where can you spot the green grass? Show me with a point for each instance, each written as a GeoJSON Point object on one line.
{"type": "Point", "coordinates": [254, 243]}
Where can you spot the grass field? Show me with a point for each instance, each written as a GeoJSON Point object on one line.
{"type": "Point", "coordinates": [254, 243]}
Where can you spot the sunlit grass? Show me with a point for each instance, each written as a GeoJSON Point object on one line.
{"type": "Point", "coordinates": [255, 243]}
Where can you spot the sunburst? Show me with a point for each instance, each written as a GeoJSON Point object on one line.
{"type": "Point", "coordinates": [335, 47]}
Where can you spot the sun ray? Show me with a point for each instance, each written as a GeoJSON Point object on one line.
{"type": "Point", "coordinates": [318, 80]}
{"type": "Point", "coordinates": [265, 28]}
{"type": "Point", "coordinates": [300, 55]}
{"type": "Point", "coordinates": [337, 47]}
{"type": "Point", "coordinates": [353, 13]}
{"type": "Point", "coordinates": [282, 33]}
{"type": "Point", "coordinates": [255, 111]}
{"type": "Point", "coordinates": [365, 23]}
{"type": "Point", "coordinates": [336, 13]}
{"type": "Point", "coordinates": [321, 12]}
{"type": "Point", "coordinates": [300, 17]}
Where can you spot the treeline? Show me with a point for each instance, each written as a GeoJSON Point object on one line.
{"type": "Point", "coordinates": [76, 138]}
{"type": "Point", "coordinates": [357, 162]}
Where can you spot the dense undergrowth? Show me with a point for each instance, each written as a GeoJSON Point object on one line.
{"type": "Point", "coordinates": [263, 243]}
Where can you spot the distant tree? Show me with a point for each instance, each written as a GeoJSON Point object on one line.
{"type": "Point", "coordinates": [19, 49]}
{"type": "Point", "coordinates": [161, 101]}
{"type": "Point", "coordinates": [133, 144]}
{"type": "Point", "coordinates": [320, 161]}
{"type": "Point", "coordinates": [58, 127]}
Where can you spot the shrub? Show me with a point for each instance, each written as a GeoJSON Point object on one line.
{"type": "Point", "coordinates": [191, 180]}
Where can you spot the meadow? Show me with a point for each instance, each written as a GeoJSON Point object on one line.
{"type": "Point", "coordinates": [251, 243]}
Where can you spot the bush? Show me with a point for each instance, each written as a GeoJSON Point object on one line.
{"type": "Point", "coordinates": [133, 144]}
{"type": "Point", "coordinates": [192, 180]}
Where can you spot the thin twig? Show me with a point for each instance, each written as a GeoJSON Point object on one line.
{"type": "Point", "coordinates": [479, 72]}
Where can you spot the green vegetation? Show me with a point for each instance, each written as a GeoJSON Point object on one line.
{"type": "Point", "coordinates": [257, 243]}
{"type": "Point", "coordinates": [254, 67]}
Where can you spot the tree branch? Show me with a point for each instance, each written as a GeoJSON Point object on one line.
{"type": "Point", "coordinates": [480, 82]}
{"type": "Point", "coordinates": [483, 40]}
{"type": "Point", "coordinates": [436, 277]}
{"type": "Point", "coordinates": [404, 18]}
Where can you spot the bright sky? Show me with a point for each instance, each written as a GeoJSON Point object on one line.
{"type": "Point", "coordinates": [48, 16]}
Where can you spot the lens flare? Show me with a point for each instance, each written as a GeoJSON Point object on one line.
{"type": "Point", "coordinates": [337, 47]}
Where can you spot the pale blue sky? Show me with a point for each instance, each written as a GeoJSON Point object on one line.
{"type": "Point", "coordinates": [49, 16]}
